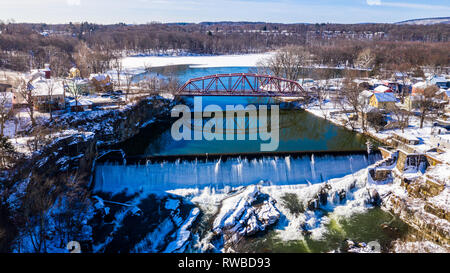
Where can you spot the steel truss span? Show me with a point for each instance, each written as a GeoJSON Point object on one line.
{"type": "Point", "coordinates": [241, 84]}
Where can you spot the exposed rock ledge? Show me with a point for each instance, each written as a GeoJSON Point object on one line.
{"type": "Point", "coordinates": [244, 214]}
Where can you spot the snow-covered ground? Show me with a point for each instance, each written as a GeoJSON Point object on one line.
{"type": "Point", "coordinates": [232, 208]}
{"type": "Point", "coordinates": [195, 61]}
{"type": "Point", "coordinates": [331, 111]}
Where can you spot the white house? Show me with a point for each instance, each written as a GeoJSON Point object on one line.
{"type": "Point", "coordinates": [382, 89]}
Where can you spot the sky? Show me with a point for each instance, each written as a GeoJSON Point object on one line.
{"type": "Point", "coordinates": [279, 11]}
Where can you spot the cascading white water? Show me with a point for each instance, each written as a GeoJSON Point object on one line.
{"type": "Point", "coordinates": [313, 168]}
{"type": "Point", "coordinates": [232, 172]}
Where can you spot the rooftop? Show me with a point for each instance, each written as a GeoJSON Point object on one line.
{"type": "Point", "coordinates": [385, 97]}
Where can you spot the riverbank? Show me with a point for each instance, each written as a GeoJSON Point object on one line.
{"type": "Point", "coordinates": [60, 173]}
{"type": "Point", "coordinates": [245, 60]}
{"type": "Point", "coordinates": [423, 199]}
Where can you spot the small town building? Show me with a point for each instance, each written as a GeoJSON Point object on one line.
{"type": "Point", "coordinates": [364, 97]}
{"type": "Point", "coordinates": [74, 73]}
{"type": "Point", "coordinates": [5, 88]}
{"type": "Point", "coordinates": [81, 105]}
{"type": "Point", "coordinates": [383, 100]}
{"type": "Point", "coordinates": [411, 102]}
{"type": "Point", "coordinates": [101, 82]}
{"type": "Point", "coordinates": [382, 89]}
{"type": "Point", "coordinates": [46, 93]}
{"type": "Point", "coordinates": [47, 71]}
{"type": "Point", "coordinates": [439, 81]}
{"type": "Point", "coordinates": [418, 88]}
{"type": "Point", "coordinates": [444, 95]}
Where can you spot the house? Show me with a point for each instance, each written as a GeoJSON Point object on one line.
{"type": "Point", "coordinates": [46, 93]}
{"type": "Point", "coordinates": [411, 102]}
{"type": "Point", "coordinates": [101, 82]}
{"type": "Point", "coordinates": [383, 100]}
{"type": "Point", "coordinates": [443, 121]}
{"type": "Point", "coordinates": [382, 89]}
{"type": "Point", "coordinates": [5, 88]}
{"type": "Point", "coordinates": [81, 105]}
{"type": "Point", "coordinates": [439, 81]}
{"type": "Point", "coordinates": [444, 95]}
{"type": "Point", "coordinates": [364, 97]}
{"type": "Point", "coordinates": [418, 88]}
{"type": "Point", "coordinates": [74, 73]}
{"type": "Point", "coordinates": [77, 86]}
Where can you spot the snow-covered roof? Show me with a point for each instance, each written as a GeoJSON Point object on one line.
{"type": "Point", "coordinates": [421, 85]}
{"type": "Point", "coordinates": [406, 136]}
{"type": "Point", "coordinates": [98, 77]}
{"type": "Point", "coordinates": [382, 89]}
{"type": "Point", "coordinates": [81, 102]}
{"type": "Point", "coordinates": [366, 94]}
{"type": "Point", "coordinates": [40, 87]}
{"type": "Point", "coordinates": [438, 79]}
{"type": "Point", "coordinates": [385, 97]}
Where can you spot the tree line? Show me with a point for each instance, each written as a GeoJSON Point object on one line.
{"type": "Point", "coordinates": [93, 47]}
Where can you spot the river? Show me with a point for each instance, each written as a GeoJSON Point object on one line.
{"type": "Point", "coordinates": [310, 151]}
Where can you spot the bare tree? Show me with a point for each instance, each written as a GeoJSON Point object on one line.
{"type": "Point", "coordinates": [128, 83]}
{"type": "Point", "coordinates": [426, 102]}
{"type": "Point", "coordinates": [75, 90]}
{"type": "Point", "coordinates": [402, 70]}
{"type": "Point", "coordinates": [36, 204]}
{"type": "Point", "coordinates": [350, 97]}
{"type": "Point", "coordinates": [25, 91]}
{"type": "Point", "coordinates": [402, 116]}
{"type": "Point", "coordinates": [365, 59]}
{"type": "Point", "coordinates": [50, 88]}
{"type": "Point", "coordinates": [118, 67]}
{"type": "Point", "coordinates": [6, 110]}
{"type": "Point", "coordinates": [289, 62]}
{"type": "Point", "coordinates": [150, 84]}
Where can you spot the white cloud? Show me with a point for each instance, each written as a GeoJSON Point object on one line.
{"type": "Point", "coordinates": [373, 2]}
{"type": "Point", "coordinates": [406, 5]}
{"type": "Point", "coordinates": [73, 2]}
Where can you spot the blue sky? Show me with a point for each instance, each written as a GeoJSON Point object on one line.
{"type": "Point", "coordinates": [283, 11]}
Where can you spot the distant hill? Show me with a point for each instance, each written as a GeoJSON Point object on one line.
{"type": "Point", "coordinates": [426, 21]}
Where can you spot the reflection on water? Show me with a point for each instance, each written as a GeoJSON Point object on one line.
{"type": "Point", "coordinates": [298, 131]}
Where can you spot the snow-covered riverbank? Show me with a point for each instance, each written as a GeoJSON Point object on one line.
{"type": "Point", "coordinates": [246, 60]}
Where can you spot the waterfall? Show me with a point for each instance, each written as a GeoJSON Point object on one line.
{"type": "Point", "coordinates": [313, 168]}
{"type": "Point", "coordinates": [287, 159]}
{"type": "Point", "coordinates": [231, 172]}
{"type": "Point", "coordinates": [216, 168]}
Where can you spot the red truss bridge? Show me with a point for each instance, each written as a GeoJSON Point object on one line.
{"type": "Point", "coordinates": [241, 84]}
